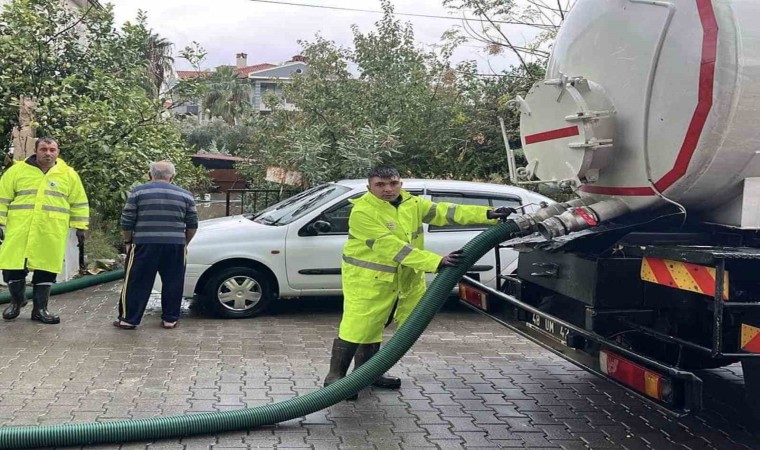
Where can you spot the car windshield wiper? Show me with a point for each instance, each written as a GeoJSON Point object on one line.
{"type": "Point", "coordinates": [266, 220]}
{"type": "Point", "coordinates": [310, 203]}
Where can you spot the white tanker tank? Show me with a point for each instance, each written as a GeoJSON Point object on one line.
{"type": "Point", "coordinates": [648, 102]}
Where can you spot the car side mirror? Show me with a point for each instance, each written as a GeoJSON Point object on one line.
{"type": "Point", "coordinates": [319, 226]}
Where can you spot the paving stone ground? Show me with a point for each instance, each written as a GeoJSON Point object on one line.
{"type": "Point", "coordinates": [467, 383]}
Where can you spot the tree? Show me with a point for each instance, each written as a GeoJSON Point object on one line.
{"type": "Point", "coordinates": [158, 53]}
{"type": "Point", "coordinates": [215, 133]}
{"type": "Point", "coordinates": [405, 106]}
{"type": "Point", "coordinates": [88, 78]}
{"type": "Point", "coordinates": [227, 95]}
{"type": "Point", "coordinates": [545, 16]}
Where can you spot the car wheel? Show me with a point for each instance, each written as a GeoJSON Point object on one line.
{"type": "Point", "coordinates": [238, 292]}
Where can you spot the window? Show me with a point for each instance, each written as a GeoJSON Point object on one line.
{"type": "Point", "coordinates": [294, 207]}
{"type": "Point", "coordinates": [338, 215]}
{"type": "Point", "coordinates": [471, 199]}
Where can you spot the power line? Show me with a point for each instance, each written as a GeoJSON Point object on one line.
{"type": "Point", "coordinates": [429, 16]}
{"type": "Point", "coordinates": [505, 75]}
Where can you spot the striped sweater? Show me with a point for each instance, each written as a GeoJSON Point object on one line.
{"type": "Point", "coordinates": [159, 213]}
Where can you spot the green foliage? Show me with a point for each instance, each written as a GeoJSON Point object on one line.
{"type": "Point", "coordinates": [404, 106]}
{"type": "Point", "coordinates": [101, 244]}
{"type": "Point", "coordinates": [158, 53]}
{"type": "Point", "coordinates": [215, 135]}
{"type": "Point", "coordinates": [227, 95]}
{"type": "Point", "coordinates": [89, 79]}
{"type": "Point", "coordinates": [192, 88]}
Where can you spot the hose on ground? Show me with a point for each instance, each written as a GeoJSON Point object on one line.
{"type": "Point", "coordinates": [73, 285]}
{"type": "Point", "coordinates": [243, 419]}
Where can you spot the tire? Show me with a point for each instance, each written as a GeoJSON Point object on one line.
{"type": "Point", "coordinates": [238, 292]}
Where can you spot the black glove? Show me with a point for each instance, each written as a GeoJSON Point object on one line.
{"type": "Point", "coordinates": [2, 233]}
{"type": "Point", "coordinates": [501, 212]}
{"type": "Point", "coordinates": [80, 236]}
{"type": "Point", "coordinates": [451, 260]}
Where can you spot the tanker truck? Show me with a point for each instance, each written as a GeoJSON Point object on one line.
{"type": "Point", "coordinates": [650, 113]}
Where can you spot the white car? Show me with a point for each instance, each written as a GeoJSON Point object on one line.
{"type": "Point", "coordinates": [240, 264]}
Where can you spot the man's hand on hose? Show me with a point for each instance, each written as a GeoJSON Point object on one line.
{"type": "Point", "coordinates": [451, 260]}
{"type": "Point", "coordinates": [500, 213]}
{"type": "Point", "coordinates": [80, 236]}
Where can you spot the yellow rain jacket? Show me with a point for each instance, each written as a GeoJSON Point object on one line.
{"type": "Point", "coordinates": [37, 210]}
{"type": "Point", "coordinates": [384, 259]}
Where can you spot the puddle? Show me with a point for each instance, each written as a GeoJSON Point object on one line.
{"type": "Point", "coordinates": [154, 305]}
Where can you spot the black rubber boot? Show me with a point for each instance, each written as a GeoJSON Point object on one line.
{"type": "Point", "coordinates": [363, 354]}
{"type": "Point", "coordinates": [342, 354]}
{"type": "Point", "coordinates": [40, 297]}
{"type": "Point", "coordinates": [17, 290]}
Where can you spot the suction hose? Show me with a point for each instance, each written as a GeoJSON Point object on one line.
{"type": "Point", "coordinates": [243, 419]}
{"type": "Point", "coordinates": [73, 285]}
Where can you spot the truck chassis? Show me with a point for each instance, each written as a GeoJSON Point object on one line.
{"type": "Point", "coordinates": [643, 302]}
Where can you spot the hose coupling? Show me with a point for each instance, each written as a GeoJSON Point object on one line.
{"type": "Point", "coordinates": [581, 218]}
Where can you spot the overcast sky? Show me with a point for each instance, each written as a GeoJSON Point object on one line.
{"type": "Point", "coordinates": [269, 32]}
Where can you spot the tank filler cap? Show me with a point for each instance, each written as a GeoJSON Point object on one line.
{"type": "Point", "coordinates": [569, 132]}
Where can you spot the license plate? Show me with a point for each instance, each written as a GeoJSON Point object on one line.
{"type": "Point", "coordinates": [548, 327]}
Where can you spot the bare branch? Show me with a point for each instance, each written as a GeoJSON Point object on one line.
{"type": "Point", "coordinates": [474, 34]}
{"type": "Point", "coordinates": [77, 22]}
{"type": "Point", "coordinates": [507, 40]}
{"type": "Point", "coordinates": [541, 7]}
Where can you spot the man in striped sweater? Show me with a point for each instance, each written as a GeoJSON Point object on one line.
{"type": "Point", "coordinates": [157, 223]}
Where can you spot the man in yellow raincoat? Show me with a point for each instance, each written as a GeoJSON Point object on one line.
{"type": "Point", "coordinates": [40, 199]}
{"type": "Point", "coordinates": [384, 263]}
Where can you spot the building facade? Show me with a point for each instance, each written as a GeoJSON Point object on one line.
{"type": "Point", "coordinates": [267, 81]}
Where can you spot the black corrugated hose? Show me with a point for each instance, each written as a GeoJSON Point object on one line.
{"type": "Point", "coordinates": [243, 419]}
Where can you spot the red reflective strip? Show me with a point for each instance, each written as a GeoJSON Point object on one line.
{"type": "Point", "coordinates": [661, 272]}
{"type": "Point", "coordinates": [702, 277]}
{"type": "Point", "coordinates": [753, 345]}
{"type": "Point", "coordinates": [552, 135]}
{"type": "Point", "coordinates": [473, 296]}
{"type": "Point", "coordinates": [704, 105]}
{"type": "Point", "coordinates": [632, 374]}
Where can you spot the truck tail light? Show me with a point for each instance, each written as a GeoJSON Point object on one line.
{"type": "Point", "coordinates": [473, 296]}
{"type": "Point", "coordinates": [643, 380]}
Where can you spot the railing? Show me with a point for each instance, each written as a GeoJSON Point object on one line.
{"type": "Point", "coordinates": [254, 200]}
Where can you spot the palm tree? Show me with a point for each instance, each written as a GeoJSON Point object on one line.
{"type": "Point", "coordinates": [158, 53]}
{"type": "Point", "coordinates": [228, 95]}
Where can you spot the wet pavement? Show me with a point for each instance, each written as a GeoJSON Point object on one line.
{"type": "Point", "coordinates": [467, 383]}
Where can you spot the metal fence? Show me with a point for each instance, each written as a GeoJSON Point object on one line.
{"type": "Point", "coordinates": [252, 200]}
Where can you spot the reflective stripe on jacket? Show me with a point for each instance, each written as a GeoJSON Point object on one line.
{"type": "Point", "coordinates": [37, 210]}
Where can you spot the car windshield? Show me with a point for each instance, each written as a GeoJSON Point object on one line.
{"type": "Point", "coordinates": [296, 206]}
